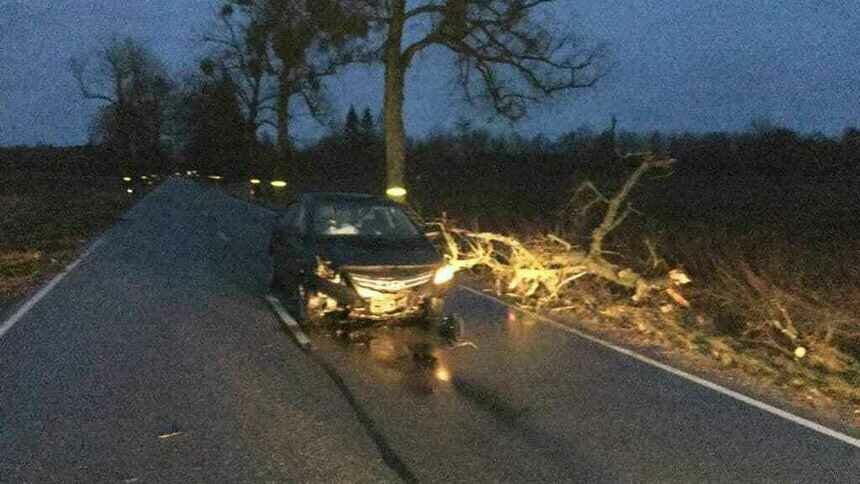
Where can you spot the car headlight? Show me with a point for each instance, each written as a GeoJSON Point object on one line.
{"type": "Point", "coordinates": [325, 271]}
{"type": "Point", "coordinates": [444, 274]}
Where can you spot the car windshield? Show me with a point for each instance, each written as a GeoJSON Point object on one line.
{"type": "Point", "coordinates": [363, 219]}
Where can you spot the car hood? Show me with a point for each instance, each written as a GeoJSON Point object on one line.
{"type": "Point", "coordinates": [357, 251]}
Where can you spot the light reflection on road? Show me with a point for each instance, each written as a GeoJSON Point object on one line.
{"type": "Point", "coordinates": [519, 329]}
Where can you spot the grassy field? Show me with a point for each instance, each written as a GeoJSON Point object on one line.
{"type": "Point", "coordinates": [45, 220]}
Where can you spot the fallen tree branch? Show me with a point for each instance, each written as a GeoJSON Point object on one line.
{"type": "Point", "coordinates": [543, 267]}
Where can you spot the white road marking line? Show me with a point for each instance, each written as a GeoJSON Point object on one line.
{"type": "Point", "coordinates": [23, 310]}
{"type": "Point", "coordinates": [695, 379]}
{"type": "Point", "coordinates": [27, 306]}
{"type": "Point", "coordinates": [289, 322]}
{"type": "Point", "coordinates": [223, 236]}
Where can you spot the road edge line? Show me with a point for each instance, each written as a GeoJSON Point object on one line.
{"type": "Point", "coordinates": [835, 434]}
{"type": "Point", "coordinates": [44, 290]}
{"type": "Point", "coordinates": [291, 324]}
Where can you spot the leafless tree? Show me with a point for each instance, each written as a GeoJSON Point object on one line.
{"type": "Point", "coordinates": [504, 56]}
{"type": "Point", "coordinates": [298, 43]}
{"type": "Point", "coordinates": [132, 84]}
{"type": "Point", "coordinates": [242, 49]}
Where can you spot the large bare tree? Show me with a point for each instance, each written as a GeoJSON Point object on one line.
{"type": "Point", "coordinates": [298, 43]}
{"type": "Point", "coordinates": [504, 54]}
{"type": "Point", "coordinates": [242, 50]}
{"type": "Point", "coordinates": [133, 85]}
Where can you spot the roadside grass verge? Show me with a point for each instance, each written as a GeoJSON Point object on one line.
{"type": "Point", "coordinates": [46, 219]}
{"type": "Point", "coordinates": [787, 309]}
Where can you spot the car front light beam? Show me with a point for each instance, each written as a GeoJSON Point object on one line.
{"type": "Point", "coordinates": [444, 274]}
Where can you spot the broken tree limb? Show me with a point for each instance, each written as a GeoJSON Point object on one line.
{"type": "Point", "coordinates": [617, 207]}
{"type": "Point", "coordinates": [542, 267]}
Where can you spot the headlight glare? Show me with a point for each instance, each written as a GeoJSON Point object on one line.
{"type": "Point", "coordinates": [444, 274]}
{"type": "Point", "coordinates": [325, 271]}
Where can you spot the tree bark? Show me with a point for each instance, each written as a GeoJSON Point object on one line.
{"type": "Point", "coordinates": [395, 134]}
{"type": "Point", "coordinates": [283, 114]}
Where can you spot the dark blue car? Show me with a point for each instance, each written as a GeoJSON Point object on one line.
{"type": "Point", "coordinates": [356, 257]}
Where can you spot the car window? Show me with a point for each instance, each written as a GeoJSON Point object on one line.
{"type": "Point", "coordinates": [351, 218]}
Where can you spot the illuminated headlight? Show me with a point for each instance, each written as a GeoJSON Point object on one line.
{"type": "Point", "coordinates": [324, 271]}
{"type": "Point", "coordinates": [444, 274]}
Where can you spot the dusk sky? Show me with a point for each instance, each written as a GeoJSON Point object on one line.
{"type": "Point", "coordinates": [680, 65]}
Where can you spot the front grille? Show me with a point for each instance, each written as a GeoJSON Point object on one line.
{"type": "Point", "coordinates": [390, 284]}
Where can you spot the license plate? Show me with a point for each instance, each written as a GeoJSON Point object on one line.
{"type": "Point", "coordinates": [386, 304]}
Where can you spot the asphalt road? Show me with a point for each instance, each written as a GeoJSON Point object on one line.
{"type": "Point", "coordinates": [158, 360]}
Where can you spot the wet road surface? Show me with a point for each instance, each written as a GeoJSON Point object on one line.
{"type": "Point", "coordinates": [158, 360]}
{"type": "Point", "coordinates": [532, 403]}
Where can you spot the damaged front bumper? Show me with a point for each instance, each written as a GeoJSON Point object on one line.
{"type": "Point", "coordinates": [382, 293]}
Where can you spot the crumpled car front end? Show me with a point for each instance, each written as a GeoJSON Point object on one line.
{"type": "Point", "coordinates": [384, 292]}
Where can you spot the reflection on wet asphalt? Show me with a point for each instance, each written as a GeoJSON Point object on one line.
{"type": "Point", "coordinates": [530, 403]}
{"type": "Point", "coordinates": [489, 400]}
{"type": "Point", "coordinates": [410, 356]}
{"type": "Point", "coordinates": [414, 357]}
{"type": "Point", "coordinates": [422, 390]}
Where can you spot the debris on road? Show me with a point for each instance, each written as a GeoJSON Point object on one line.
{"type": "Point", "coordinates": [169, 435]}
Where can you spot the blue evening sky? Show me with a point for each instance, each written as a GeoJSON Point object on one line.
{"type": "Point", "coordinates": [680, 65]}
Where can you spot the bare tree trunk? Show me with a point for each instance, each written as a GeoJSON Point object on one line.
{"type": "Point", "coordinates": [395, 134]}
{"type": "Point", "coordinates": [253, 105]}
{"type": "Point", "coordinates": [283, 113]}
{"type": "Point", "coordinates": [134, 152]}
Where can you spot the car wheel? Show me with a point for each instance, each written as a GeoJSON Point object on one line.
{"type": "Point", "coordinates": [433, 309]}
{"type": "Point", "coordinates": [450, 328]}
{"type": "Point", "coordinates": [437, 321]}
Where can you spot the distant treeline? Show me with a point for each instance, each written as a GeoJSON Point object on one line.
{"type": "Point", "coordinates": [78, 160]}
{"type": "Point", "coordinates": [761, 174]}
{"type": "Point", "coordinates": [723, 178]}
{"type": "Point", "coordinates": [86, 160]}
{"type": "Point", "coordinates": [753, 174]}
{"type": "Point", "coordinates": [767, 174]}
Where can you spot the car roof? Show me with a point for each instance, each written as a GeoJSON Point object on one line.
{"type": "Point", "coordinates": [345, 196]}
{"type": "Point", "coordinates": [313, 198]}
